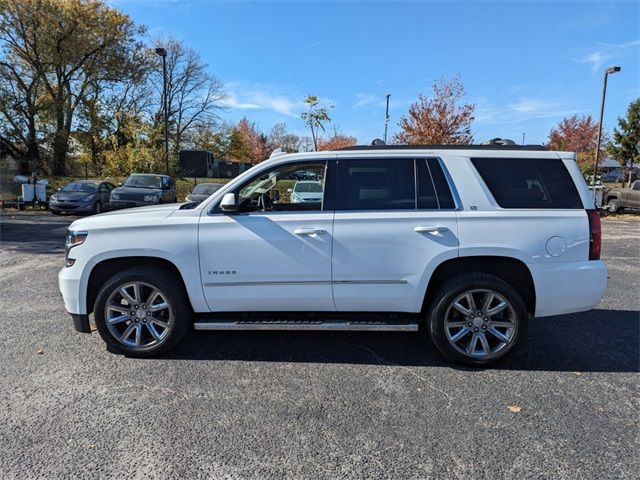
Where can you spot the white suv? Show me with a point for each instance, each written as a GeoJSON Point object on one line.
{"type": "Point", "coordinates": [465, 243]}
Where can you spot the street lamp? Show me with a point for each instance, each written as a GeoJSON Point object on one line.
{"type": "Point", "coordinates": [163, 53]}
{"type": "Point", "coordinates": [604, 93]}
{"type": "Point", "coordinates": [386, 120]}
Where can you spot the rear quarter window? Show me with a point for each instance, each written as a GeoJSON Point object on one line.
{"type": "Point", "coordinates": [529, 182]}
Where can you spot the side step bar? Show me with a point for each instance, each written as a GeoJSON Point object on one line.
{"type": "Point", "coordinates": [336, 326]}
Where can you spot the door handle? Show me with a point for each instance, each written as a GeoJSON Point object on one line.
{"type": "Point", "coordinates": [431, 230]}
{"type": "Point", "coordinates": [309, 231]}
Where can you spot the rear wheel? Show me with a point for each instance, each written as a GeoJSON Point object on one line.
{"type": "Point", "coordinates": [477, 319]}
{"type": "Point", "coordinates": [142, 312]}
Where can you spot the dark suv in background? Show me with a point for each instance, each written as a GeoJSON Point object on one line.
{"type": "Point", "coordinates": [142, 189]}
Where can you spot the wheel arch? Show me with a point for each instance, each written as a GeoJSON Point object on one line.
{"type": "Point", "coordinates": [511, 270]}
{"type": "Point", "coordinates": [104, 269]}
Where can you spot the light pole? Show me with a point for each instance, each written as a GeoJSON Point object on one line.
{"type": "Point", "coordinates": [604, 93]}
{"type": "Point", "coordinates": [163, 53]}
{"type": "Point", "coordinates": [386, 120]}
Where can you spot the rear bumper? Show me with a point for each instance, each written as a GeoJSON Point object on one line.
{"type": "Point", "coordinates": [568, 287]}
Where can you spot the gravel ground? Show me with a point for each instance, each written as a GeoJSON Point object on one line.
{"type": "Point", "coordinates": [312, 405]}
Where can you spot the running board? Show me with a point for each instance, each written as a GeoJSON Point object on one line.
{"type": "Point", "coordinates": [336, 326]}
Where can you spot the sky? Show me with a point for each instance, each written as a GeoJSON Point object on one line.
{"type": "Point", "coordinates": [525, 65]}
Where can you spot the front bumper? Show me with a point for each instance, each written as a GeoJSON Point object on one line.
{"type": "Point", "coordinates": [69, 286]}
{"type": "Point", "coordinates": [568, 287]}
{"type": "Point", "coordinates": [69, 207]}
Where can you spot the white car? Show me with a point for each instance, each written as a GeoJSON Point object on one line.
{"type": "Point", "coordinates": [306, 191]}
{"type": "Point", "coordinates": [466, 243]}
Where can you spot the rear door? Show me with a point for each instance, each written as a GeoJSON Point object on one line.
{"type": "Point", "coordinates": [395, 219]}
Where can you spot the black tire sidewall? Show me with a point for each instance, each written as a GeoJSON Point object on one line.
{"type": "Point", "coordinates": [168, 286]}
{"type": "Point", "coordinates": [613, 206]}
{"type": "Point", "coordinates": [458, 285]}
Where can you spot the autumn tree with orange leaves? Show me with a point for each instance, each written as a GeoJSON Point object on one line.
{"type": "Point", "coordinates": [578, 133]}
{"type": "Point", "coordinates": [339, 140]}
{"type": "Point", "coordinates": [439, 119]}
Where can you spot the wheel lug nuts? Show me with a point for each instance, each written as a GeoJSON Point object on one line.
{"type": "Point", "coordinates": [470, 324]}
{"type": "Point", "coordinates": [144, 306]}
{"type": "Point", "coordinates": [148, 313]}
{"type": "Point", "coordinates": [471, 315]}
{"type": "Point", "coordinates": [475, 329]}
{"type": "Point", "coordinates": [137, 306]}
{"type": "Point", "coordinates": [484, 327]}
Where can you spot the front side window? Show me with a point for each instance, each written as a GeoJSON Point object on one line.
{"type": "Point", "coordinates": [636, 186]}
{"type": "Point", "coordinates": [290, 187]}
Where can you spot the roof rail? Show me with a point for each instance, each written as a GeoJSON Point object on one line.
{"type": "Point", "coordinates": [277, 152]}
{"type": "Point", "coordinates": [492, 146]}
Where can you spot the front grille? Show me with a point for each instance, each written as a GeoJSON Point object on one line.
{"type": "Point", "coordinates": [131, 196]}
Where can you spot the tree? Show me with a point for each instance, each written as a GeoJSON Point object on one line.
{"type": "Point", "coordinates": [315, 117]}
{"type": "Point", "coordinates": [439, 119]}
{"type": "Point", "coordinates": [625, 147]}
{"type": "Point", "coordinates": [279, 137]}
{"type": "Point", "coordinates": [194, 96]}
{"type": "Point", "coordinates": [338, 140]}
{"type": "Point", "coordinates": [253, 140]}
{"type": "Point", "coordinates": [577, 133]}
{"type": "Point", "coordinates": [66, 45]}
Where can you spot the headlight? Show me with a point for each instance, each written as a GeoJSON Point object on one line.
{"type": "Point", "coordinates": [115, 196]}
{"type": "Point", "coordinates": [74, 238]}
{"type": "Point", "coordinates": [54, 198]}
{"type": "Point", "coordinates": [150, 198]}
{"type": "Point", "coordinates": [88, 198]}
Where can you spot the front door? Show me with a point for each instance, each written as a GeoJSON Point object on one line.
{"type": "Point", "coordinates": [274, 254]}
{"type": "Point", "coordinates": [395, 218]}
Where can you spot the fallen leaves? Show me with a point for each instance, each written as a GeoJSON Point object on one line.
{"type": "Point", "coordinates": [514, 408]}
{"type": "Point", "coordinates": [40, 351]}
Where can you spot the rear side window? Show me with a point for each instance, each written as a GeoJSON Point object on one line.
{"type": "Point", "coordinates": [375, 185]}
{"type": "Point", "coordinates": [529, 182]}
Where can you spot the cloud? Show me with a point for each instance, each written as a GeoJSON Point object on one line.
{"type": "Point", "coordinates": [596, 57]}
{"type": "Point", "coordinates": [522, 110]}
{"type": "Point", "coordinates": [313, 45]}
{"type": "Point", "coordinates": [365, 100]}
{"type": "Point", "coordinates": [243, 96]}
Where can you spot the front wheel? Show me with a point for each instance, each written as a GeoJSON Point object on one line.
{"type": "Point", "coordinates": [477, 319]}
{"type": "Point", "coordinates": [613, 205]}
{"type": "Point", "coordinates": [142, 312]}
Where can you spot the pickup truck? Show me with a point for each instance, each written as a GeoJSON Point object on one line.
{"type": "Point", "coordinates": [617, 199]}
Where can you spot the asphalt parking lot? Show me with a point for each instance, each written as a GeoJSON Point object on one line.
{"type": "Point", "coordinates": [312, 405]}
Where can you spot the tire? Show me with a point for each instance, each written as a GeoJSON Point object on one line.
{"type": "Point", "coordinates": [160, 329]}
{"type": "Point", "coordinates": [613, 205]}
{"type": "Point", "coordinates": [98, 207]}
{"type": "Point", "coordinates": [509, 322]}
{"type": "Point", "coordinates": [55, 212]}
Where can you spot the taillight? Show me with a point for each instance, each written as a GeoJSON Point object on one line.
{"type": "Point", "coordinates": [595, 235]}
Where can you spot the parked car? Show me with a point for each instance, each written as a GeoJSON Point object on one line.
{"type": "Point", "coordinates": [142, 189]}
{"type": "Point", "coordinates": [306, 191]}
{"type": "Point", "coordinates": [617, 199]}
{"type": "Point", "coordinates": [202, 191]}
{"type": "Point", "coordinates": [465, 243]}
{"type": "Point", "coordinates": [85, 196]}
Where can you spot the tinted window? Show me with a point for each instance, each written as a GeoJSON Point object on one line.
{"type": "Point", "coordinates": [81, 187]}
{"type": "Point", "coordinates": [205, 188]}
{"type": "Point", "coordinates": [144, 181]}
{"type": "Point", "coordinates": [375, 185]}
{"type": "Point", "coordinates": [636, 186]}
{"type": "Point", "coordinates": [426, 191]}
{"type": "Point", "coordinates": [529, 182]}
{"type": "Point", "coordinates": [445, 198]}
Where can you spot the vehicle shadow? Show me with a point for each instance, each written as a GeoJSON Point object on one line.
{"type": "Point", "coordinates": [595, 341]}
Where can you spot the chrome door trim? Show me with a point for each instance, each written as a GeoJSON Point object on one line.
{"type": "Point", "coordinates": [307, 282]}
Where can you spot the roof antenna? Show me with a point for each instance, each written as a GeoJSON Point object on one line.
{"type": "Point", "coordinates": [378, 143]}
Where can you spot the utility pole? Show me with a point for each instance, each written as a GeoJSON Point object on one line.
{"type": "Point", "coordinates": [163, 53]}
{"type": "Point", "coordinates": [604, 93]}
{"type": "Point", "coordinates": [522, 138]}
{"type": "Point", "coordinates": [386, 120]}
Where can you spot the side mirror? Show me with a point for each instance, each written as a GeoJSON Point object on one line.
{"type": "Point", "coordinates": [119, 184]}
{"type": "Point", "coordinates": [289, 190]}
{"type": "Point", "coordinates": [59, 189]}
{"type": "Point", "coordinates": [228, 203]}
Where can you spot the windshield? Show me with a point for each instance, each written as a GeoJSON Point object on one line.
{"type": "Point", "coordinates": [310, 187]}
{"type": "Point", "coordinates": [81, 187]}
{"type": "Point", "coordinates": [144, 181]}
{"type": "Point", "coordinates": [205, 188]}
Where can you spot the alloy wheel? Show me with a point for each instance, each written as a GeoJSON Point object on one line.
{"type": "Point", "coordinates": [480, 323]}
{"type": "Point", "coordinates": [138, 315]}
